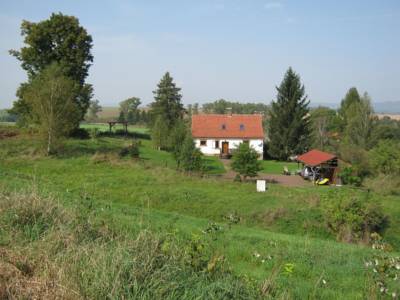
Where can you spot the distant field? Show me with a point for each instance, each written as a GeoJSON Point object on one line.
{"type": "Point", "coordinates": [108, 113]}
{"type": "Point", "coordinates": [392, 116]}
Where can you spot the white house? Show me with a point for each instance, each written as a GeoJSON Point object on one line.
{"type": "Point", "coordinates": [220, 134]}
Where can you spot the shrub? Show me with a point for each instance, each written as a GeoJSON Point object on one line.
{"type": "Point", "coordinates": [190, 158]}
{"type": "Point", "coordinates": [385, 157]}
{"type": "Point", "coordinates": [353, 219]}
{"type": "Point", "coordinates": [384, 184]}
{"type": "Point", "coordinates": [358, 157]}
{"type": "Point", "coordinates": [245, 161]}
{"type": "Point", "coordinates": [80, 133]}
{"type": "Point", "coordinates": [132, 150]}
{"type": "Point", "coordinates": [347, 175]}
{"type": "Point", "coordinates": [94, 133]}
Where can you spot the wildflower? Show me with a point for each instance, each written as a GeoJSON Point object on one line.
{"type": "Point", "coordinates": [376, 262]}
{"type": "Point", "coordinates": [263, 261]}
{"type": "Point", "coordinates": [397, 266]}
{"type": "Point", "coordinates": [394, 295]}
{"type": "Point", "coordinates": [256, 254]}
{"type": "Point", "coordinates": [324, 281]}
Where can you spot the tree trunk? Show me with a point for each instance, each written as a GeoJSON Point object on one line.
{"type": "Point", "coordinates": [49, 143]}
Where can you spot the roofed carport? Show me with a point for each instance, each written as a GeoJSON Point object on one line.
{"type": "Point", "coordinates": [326, 162]}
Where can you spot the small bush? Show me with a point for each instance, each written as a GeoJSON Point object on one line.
{"type": "Point", "coordinates": [384, 184]}
{"type": "Point", "coordinates": [132, 150]}
{"type": "Point", "coordinates": [353, 219]}
{"type": "Point", "coordinates": [94, 133]}
{"type": "Point", "coordinates": [347, 175]}
{"type": "Point", "coordinates": [80, 133]}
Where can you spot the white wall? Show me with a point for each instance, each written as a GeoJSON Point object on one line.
{"type": "Point", "coordinates": [209, 148]}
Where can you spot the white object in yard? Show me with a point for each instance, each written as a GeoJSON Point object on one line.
{"type": "Point", "coordinates": [260, 185]}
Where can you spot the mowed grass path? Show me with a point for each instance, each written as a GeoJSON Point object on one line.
{"type": "Point", "coordinates": [283, 225]}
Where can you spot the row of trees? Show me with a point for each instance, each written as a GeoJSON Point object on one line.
{"type": "Point", "coordinates": [223, 106]}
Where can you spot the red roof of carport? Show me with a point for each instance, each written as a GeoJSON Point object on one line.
{"type": "Point", "coordinates": [315, 157]}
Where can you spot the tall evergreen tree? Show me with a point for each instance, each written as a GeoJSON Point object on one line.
{"type": "Point", "coordinates": [167, 101]}
{"type": "Point", "coordinates": [167, 108]}
{"type": "Point", "coordinates": [289, 126]}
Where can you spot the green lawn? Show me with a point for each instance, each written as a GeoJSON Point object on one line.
{"type": "Point", "coordinates": [276, 167]}
{"type": "Point", "coordinates": [284, 225]}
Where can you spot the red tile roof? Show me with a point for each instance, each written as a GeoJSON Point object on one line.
{"type": "Point", "coordinates": [227, 126]}
{"type": "Point", "coordinates": [315, 157]}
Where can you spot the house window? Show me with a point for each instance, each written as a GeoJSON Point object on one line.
{"type": "Point", "coordinates": [241, 127]}
{"type": "Point", "coordinates": [223, 127]}
{"type": "Point", "coordinates": [203, 143]}
{"type": "Point", "coordinates": [216, 144]}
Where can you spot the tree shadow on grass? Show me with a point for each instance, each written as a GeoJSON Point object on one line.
{"type": "Point", "coordinates": [122, 133]}
{"type": "Point", "coordinates": [77, 147]}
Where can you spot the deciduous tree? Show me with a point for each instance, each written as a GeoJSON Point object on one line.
{"type": "Point", "coordinates": [54, 111]}
{"type": "Point", "coordinates": [94, 109]}
{"type": "Point", "coordinates": [58, 39]}
{"type": "Point", "coordinates": [128, 110]}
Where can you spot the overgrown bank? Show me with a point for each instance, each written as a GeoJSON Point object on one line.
{"type": "Point", "coordinates": [49, 251]}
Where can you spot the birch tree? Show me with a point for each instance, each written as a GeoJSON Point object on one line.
{"type": "Point", "coordinates": [53, 109]}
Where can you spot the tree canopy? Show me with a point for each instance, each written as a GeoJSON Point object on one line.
{"type": "Point", "coordinates": [58, 39]}
{"type": "Point", "coordinates": [245, 161]}
{"type": "Point", "coordinates": [53, 109]}
{"type": "Point", "coordinates": [128, 110]}
{"type": "Point", "coordinates": [223, 106]}
{"type": "Point", "coordinates": [289, 129]}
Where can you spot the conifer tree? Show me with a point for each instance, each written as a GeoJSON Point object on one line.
{"type": "Point", "coordinates": [289, 126]}
{"type": "Point", "coordinates": [167, 108]}
{"type": "Point", "coordinates": [167, 101]}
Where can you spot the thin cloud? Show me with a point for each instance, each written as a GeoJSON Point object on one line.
{"type": "Point", "coordinates": [273, 5]}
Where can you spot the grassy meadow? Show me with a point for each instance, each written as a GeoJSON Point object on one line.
{"type": "Point", "coordinates": [273, 244]}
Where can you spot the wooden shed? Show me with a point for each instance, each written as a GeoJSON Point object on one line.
{"type": "Point", "coordinates": [325, 164]}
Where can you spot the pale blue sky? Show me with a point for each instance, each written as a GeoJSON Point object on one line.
{"type": "Point", "coordinates": [236, 49]}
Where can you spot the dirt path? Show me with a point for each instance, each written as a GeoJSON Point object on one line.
{"type": "Point", "coordinates": [292, 180]}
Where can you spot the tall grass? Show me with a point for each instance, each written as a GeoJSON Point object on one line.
{"type": "Point", "coordinates": [49, 251]}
